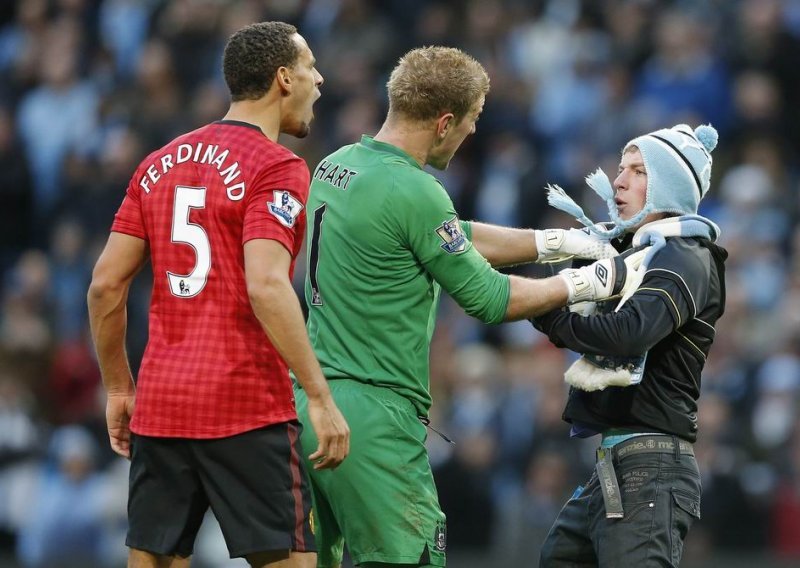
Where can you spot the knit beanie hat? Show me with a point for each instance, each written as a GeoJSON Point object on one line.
{"type": "Point", "coordinates": [678, 163]}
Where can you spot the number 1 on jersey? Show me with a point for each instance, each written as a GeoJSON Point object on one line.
{"type": "Point", "coordinates": [186, 199]}
{"type": "Point", "coordinates": [313, 261]}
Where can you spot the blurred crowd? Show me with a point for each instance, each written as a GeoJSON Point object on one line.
{"type": "Point", "coordinates": [89, 87]}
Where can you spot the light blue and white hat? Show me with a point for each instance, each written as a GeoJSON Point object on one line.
{"type": "Point", "coordinates": [678, 163]}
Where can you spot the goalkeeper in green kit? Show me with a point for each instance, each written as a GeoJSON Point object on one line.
{"type": "Point", "coordinates": [383, 240]}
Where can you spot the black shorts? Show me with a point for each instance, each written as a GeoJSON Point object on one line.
{"type": "Point", "coordinates": [254, 482]}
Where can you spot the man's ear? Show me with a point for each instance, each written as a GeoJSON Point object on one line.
{"type": "Point", "coordinates": [284, 79]}
{"type": "Point", "coordinates": [444, 124]}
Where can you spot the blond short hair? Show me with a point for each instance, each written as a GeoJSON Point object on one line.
{"type": "Point", "coordinates": [429, 81]}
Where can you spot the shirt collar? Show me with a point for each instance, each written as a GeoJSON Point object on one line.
{"type": "Point", "coordinates": [373, 144]}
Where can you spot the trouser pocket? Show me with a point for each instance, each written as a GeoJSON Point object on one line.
{"type": "Point", "coordinates": [684, 509]}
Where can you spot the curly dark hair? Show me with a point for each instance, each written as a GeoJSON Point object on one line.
{"type": "Point", "coordinates": [253, 55]}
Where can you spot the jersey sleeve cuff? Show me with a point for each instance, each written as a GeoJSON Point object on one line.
{"type": "Point", "coordinates": [128, 229]}
{"type": "Point", "coordinates": [466, 227]}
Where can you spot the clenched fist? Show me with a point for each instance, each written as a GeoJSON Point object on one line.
{"type": "Point", "coordinates": [605, 278]}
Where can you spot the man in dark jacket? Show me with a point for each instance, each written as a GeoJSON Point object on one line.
{"type": "Point", "coordinates": [638, 380]}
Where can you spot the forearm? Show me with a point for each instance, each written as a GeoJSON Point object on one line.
{"type": "Point", "coordinates": [531, 298]}
{"type": "Point", "coordinates": [504, 246]}
{"type": "Point", "coordinates": [108, 319]}
{"type": "Point", "coordinates": [120, 261]}
{"type": "Point", "coordinates": [277, 307]}
{"type": "Point", "coordinates": [625, 333]}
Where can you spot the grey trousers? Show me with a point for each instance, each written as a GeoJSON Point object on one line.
{"type": "Point", "coordinates": [661, 498]}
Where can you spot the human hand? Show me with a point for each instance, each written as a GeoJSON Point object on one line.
{"type": "Point", "coordinates": [605, 278]}
{"type": "Point", "coordinates": [333, 433]}
{"type": "Point", "coordinates": [119, 409]}
{"type": "Point", "coordinates": [556, 245]}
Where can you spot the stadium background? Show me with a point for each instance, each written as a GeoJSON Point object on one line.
{"type": "Point", "coordinates": [88, 87]}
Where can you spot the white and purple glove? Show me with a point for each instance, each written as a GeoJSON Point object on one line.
{"type": "Point", "coordinates": [556, 245]}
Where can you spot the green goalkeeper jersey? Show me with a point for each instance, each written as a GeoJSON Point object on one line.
{"type": "Point", "coordinates": [383, 239]}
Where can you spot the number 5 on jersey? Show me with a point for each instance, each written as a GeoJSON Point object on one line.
{"type": "Point", "coordinates": [192, 234]}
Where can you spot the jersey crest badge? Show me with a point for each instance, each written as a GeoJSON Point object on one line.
{"type": "Point", "coordinates": [440, 537]}
{"type": "Point", "coordinates": [285, 207]}
{"type": "Point", "coordinates": [452, 235]}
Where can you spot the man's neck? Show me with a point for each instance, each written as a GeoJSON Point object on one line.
{"type": "Point", "coordinates": [264, 113]}
{"type": "Point", "coordinates": [410, 136]}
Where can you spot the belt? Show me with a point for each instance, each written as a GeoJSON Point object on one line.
{"type": "Point", "coordinates": [661, 444]}
{"type": "Point", "coordinates": [646, 444]}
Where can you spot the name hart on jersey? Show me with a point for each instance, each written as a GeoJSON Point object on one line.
{"type": "Point", "coordinates": [329, 172]}
{"type": "Point", "coordinates": [199, 155]}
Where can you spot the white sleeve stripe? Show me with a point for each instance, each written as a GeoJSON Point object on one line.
{"type": "Point", "coordinates": [694, 305]}
{"type": "Point", "coordinates": [677, 311]}
{"type": "Point", "coordinates": [692, 343]}
{"type": "Point", "coordinates": [713, 329]}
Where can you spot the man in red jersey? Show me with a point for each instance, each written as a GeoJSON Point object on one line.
{"type": "Point", "coordinates": [220, 213]}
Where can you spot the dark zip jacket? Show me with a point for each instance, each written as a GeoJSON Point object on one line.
{"type": "Point", "coordinates": [671, 317]}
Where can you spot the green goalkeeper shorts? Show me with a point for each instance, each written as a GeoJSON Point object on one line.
{"type": "Point", "coordinates": [381, 501]}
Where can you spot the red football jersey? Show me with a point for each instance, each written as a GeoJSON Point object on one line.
{"type": "Point", "coordinates": [209, 369]}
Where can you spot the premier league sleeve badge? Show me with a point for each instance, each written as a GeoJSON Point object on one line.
{"type": "Point", "coordinates": [454, 239]}
{"type": "Point", "coordinates": [284, 207]}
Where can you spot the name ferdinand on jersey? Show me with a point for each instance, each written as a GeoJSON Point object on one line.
{"type": "Point", "coordinates": [198, 153]}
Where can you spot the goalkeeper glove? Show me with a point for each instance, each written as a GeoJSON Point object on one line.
{"type": "Point", "coordinates": [556, 245]}
{"type": "Point", "coordinates": [605, 278]}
